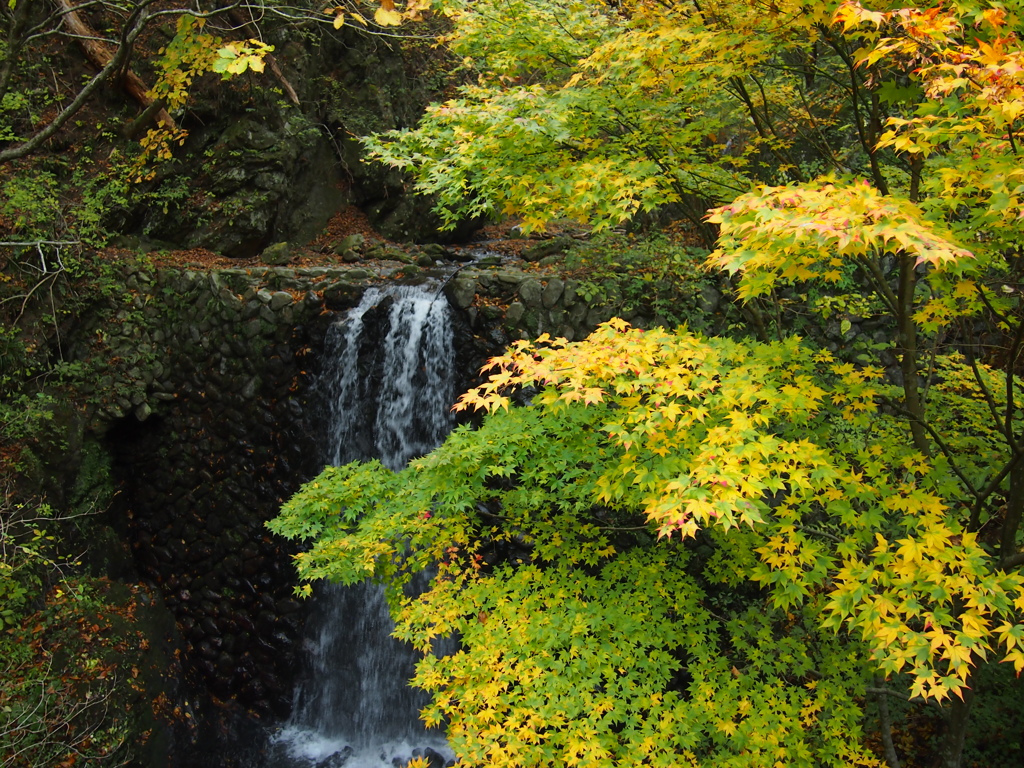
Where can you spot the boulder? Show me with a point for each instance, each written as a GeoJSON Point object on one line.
{"type": "Point", "coordinates": [277, 254]}
{"type": "Point", "coordinates": [353, 242]}
{"type": "Point", "coordinates": [555, 246]}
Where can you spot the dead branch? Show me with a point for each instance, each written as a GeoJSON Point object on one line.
{"type": "Point", "coordinates": [101, 54]}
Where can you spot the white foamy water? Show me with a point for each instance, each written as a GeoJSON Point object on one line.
{"type": "Point", "coordinates": [305, 747]}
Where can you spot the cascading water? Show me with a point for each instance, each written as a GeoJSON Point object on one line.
{"type": "Point", "coordinates": [388, 396]}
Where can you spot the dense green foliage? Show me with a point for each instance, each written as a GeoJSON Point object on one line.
{"type": "Point", "coordinates": [553, 578]}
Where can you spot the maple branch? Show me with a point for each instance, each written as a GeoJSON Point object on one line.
{"type": "Point", "coordinates": [1010, 562]}
{"type": "Point", "coordinates": [786, 157]}
{"type": "Point", "coordinates": [1017, 453]}
{"type": "Point", "coordinates": [1018, 337]}
{"type": "Point", "coordinates": [1015, 498]}
{"type": "Point", "coordinates": [822, 145]}
{"type": "Point", "coordinates": [753, 313]}
{"type": "Point", "coordinates": [933, 353]}
{"type": "Point", "coordinates": [986, 393]}
{"type": "Point", "coordinates": [866, 142]}
{"type": "Point", "coordinates": [672, 175]}
{"type": "Point", "coordinates": [916, 164]}
{"type": "Point", "coordinates": [818, 71]}
{"type": "Point", "coordinates": [946, 451]}
{"type": "Point", "coordinates": [907, 331]}
{"type": "Point", "coordinates": [993, 485]}
{"type": "Point", "coordinates": [874, 270]}
{"type": "Point", "coordinates": [762, 120]}
{"type": "Point", "coordinates": [1014, 512]}
{"type": "Point", "coordinates": [744, 96]}
{"type": "Point", "coordinates": [815, 532]}
{"type": "Point", "coordinates": [883, 691]}
{"type": "Point", "coordinates": [988, 305]}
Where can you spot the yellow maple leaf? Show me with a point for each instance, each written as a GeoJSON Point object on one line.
{"type": "Point", "coordinates": [387, 18]}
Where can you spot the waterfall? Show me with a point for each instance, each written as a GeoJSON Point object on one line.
{"type": "Point", "coordinates": [387, 392]}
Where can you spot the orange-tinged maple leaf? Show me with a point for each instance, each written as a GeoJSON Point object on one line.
{"type": "Point", "coordinates": [994, 16]}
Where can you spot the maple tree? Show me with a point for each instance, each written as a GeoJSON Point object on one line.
{"type": "Point", "coordinates": [584, 640]}
{"type": "Point", "coordinates": [598, 112]}
{"type": "Point", "coordinates": [704, 551]}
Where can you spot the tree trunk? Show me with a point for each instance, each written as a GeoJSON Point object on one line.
{"type": "Point", "coordinates": [1011, 523]}
{"type": "Point", "coordinates": [885, 723]}
{"type": "Point", "coordinates": [956, 729]}
{"type": "Point", "coordinates": [908, 349]}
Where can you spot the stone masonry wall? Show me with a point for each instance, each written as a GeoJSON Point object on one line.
{"type": "Point", "coordinates": [208, 438]}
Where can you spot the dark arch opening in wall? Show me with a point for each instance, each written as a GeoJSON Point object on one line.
{"type": "Point", "coordinates": [131, 445]}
